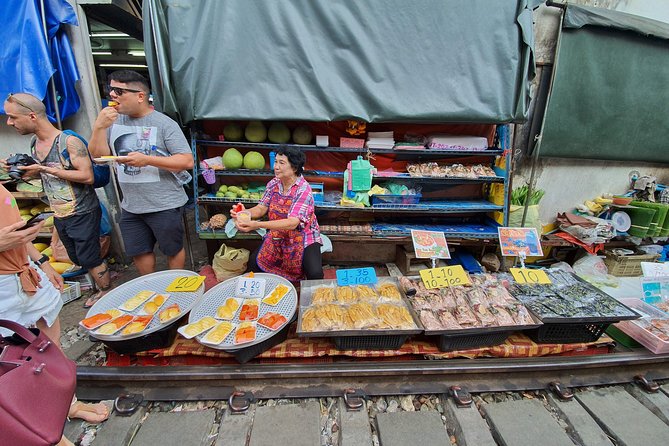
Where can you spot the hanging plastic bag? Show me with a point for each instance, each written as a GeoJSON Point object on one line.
{"type": "Point", "coordinates": [531, 219]}
{"type": "Point", "coordinates": [594, 270]}
{"type": "Point", "coordinates": [229, 262]}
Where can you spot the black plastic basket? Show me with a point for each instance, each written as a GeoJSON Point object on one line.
{"type": "Point", "coordinates": [449, 343]}
{"type": "Point", "coordinates": [376, 342]}
{"type": "Point", "coordinates": [246, 354]}
{"type": "Point", "coordinates": [551, 333]}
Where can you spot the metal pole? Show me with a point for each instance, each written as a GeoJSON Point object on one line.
{"type": "Point", "coordinates": [52, 84]}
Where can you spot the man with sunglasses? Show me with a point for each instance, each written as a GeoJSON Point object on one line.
{"type": "Point", "coordinates": [151, 150]}
{"type": "Point", "coordinates": [68, 185]}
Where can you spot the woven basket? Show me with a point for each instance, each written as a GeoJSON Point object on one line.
{"type": "Point", "coordinates": [627, 266]}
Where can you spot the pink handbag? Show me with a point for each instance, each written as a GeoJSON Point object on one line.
{"type": "Point", "coordinates": [37, 383]}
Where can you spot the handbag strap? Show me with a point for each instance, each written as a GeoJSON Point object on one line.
{"type": "Point", "coordinates": [19, 329]}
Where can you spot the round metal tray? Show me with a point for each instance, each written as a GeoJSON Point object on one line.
{"type": "Point", "coordinates": [154, 282]}
{"type": "Point", "coordinates": [215, 297]}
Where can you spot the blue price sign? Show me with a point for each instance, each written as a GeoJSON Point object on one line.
{"type": "Point", "coordinates": [356, 276]}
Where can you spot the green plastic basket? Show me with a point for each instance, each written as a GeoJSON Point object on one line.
{"type": "Point", "coordinates": [656, 225]}
{"type": "Point", "coordinates": [641, 219]}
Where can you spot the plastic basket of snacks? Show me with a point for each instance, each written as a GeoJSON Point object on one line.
{"type": "Point", "coordinates": [71, 291]}
{"type": "Point", "coordinates": [464, 317]}
{"type": "Point", "coordinates": [571, 309]}
{"type": "Point", "coordinates": [357, 317]}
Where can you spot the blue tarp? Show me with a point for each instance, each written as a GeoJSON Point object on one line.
{"type": "Point", "coordinates": [27, 62]}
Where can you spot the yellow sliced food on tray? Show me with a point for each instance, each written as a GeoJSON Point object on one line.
{"type": "Point", "coordinates": [395, 316]}
{"type": "Point", "coordinates": [200, 326]}
{"type": "Point", "coordinates": [137, 300]}
{"type": "Point", "coordinates": [115, 325]}
{"type": "Point", "coordinates": [154, 304]}
{"type": "Point", "coordinates": [228, 309]}
{"type": "Point", "coordinates": [169, 313]}
{"type": "Point", "coordinates": [323, 295]}
{"type": "Point", "coordinates": [138, 324]}
{"type": "Point", "coordinates": [276, 295]}
{"type": "Point", "coordinates": [218, 334]}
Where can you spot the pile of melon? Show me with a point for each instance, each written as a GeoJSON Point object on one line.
{"type": "Point", "coordinates": [277, 133]}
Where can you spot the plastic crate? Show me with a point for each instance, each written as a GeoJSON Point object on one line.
{"type": "Point", "coordinates": [396, 199]}
{"type": "Point", "coordinates": [448, 343]}
{"type": "Point", "coordinates": [380, 342]}
{"type": "Point", "coordinates": [568, 333]}
{"type": "Point", "coordinates": [71, 291]}
{"type": "Point", "coordinates": [627, 266]}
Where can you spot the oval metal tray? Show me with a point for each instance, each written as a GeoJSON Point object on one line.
{"type": "Point", "coordinates": [154, 282]}
{"type": "Point", "coordinates": [215, 297]}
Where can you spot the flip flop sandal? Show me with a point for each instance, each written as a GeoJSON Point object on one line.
{"type": "Point", "coordinates": [93, 300]}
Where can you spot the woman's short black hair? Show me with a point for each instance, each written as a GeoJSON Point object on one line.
{"type": "Point", "coordinates": [295, 156]}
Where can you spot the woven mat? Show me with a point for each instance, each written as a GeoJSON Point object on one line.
{"type": "Point", "coordinates": [516, 346]}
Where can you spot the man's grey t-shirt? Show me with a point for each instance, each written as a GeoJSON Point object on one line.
{"type": "Point", "coordinates": [148, 189]}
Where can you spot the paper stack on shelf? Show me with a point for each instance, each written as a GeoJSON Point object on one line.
{"type": "Point", "coordinates": [380, 140]}
{"type": "Point", "coordinates": [453, 142]}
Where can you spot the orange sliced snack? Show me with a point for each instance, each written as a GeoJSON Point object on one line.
{"type": "Point", "coordinates": [169, 313]}
{"type": "Point", "coordinates": [273, 321]}
{"type": "Point", "coordinates": [137, 325]}
{"type": "Point", "coordinates": [96, 320]}
{"type": "Point", "coordinates": [115, 325]}
{"type": "Point", "coordinates": [246, 332]}
{"type": "Point", "coordinates": [249, 311]}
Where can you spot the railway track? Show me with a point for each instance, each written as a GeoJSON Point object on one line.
{"type": "Point", "coordinates": [373, 377]}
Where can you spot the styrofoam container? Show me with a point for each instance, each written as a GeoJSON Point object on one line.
{"type": "Point", "coordinates": [636, 331]}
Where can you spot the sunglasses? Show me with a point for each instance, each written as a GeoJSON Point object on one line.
{"type": "Point", "coordinates": [119, 90]}
{"type": "Point", "coordinates": [12, 98]}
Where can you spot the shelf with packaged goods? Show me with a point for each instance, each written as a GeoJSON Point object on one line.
{"type": "Point", "coordinates": [430, 207]}
{"type": "Point", "coordinates": [383, 177]}
{"type": "Point", "coordinates": [268, 146]}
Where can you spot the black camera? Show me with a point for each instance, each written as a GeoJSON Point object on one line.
{"type": "Point", "coordinates": [15, 161]}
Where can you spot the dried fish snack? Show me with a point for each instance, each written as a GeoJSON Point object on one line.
{"type": "Point", "coordinates": [448, 321]}
{"type": "Point", "coordinates": [360, 316]}
{"type": "Point", "coordinates": [345, 295]}
{"type": "Point", "coordinates": [477, 296]}
{"type": "Point", "coordinates": [278, 293]}
{"type": "Point", "coordinates": [170, 313]}
{"type": "Point", "coordinates": [389, 291]}
{"type": "Point", "coordinates": [93, 322]}
{"type": "Point", "coordinates": [250, 310]}
{"type": "Point", "coordinates": [664, 306]}
{"type": "Point", "coordinates": [273, 321]}
{"type": "Point", "coordinates": [137, 300]}
{"type": "Point", "coordinates": [323, 295]}
{"type": "Point", "coordinates": [502, 316]}
{"type": "Point", "coordinates": [465, 316]}
{"type": "Point", "coordinates": [498, 295]}
{"type": "Point", "coordinates": [365, 293]}
{"type": "Point", "coordinates": [198, 327]}
{"type": "Point", "coordinates": [323, 317]}
{"type": "Point", "coordinates": [228, 309]}
{"type": "Point", "coordinates": [218, 334]}
{"type": "Point", "coordinates": [484, 315]}
{"type": "Point", "coordinates": [114, 325]}
{"type": "Point", "coordinates": [420, 303]}
{"type": "Point", "coordinates": [137, 325]}
{"type": "Point", "coordinates": [245, 332]}
{"type": "Point", "coordinates": [429, 320]}
{"type": "Point", "coordinates": [394, 316]}
{"type": "Point", "coordinates": [446, 299]}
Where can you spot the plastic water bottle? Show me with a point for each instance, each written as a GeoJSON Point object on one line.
{"type": "Point", "coordinates": [183, 177]}
{"type": "Point", "coordinates": [272, 156]}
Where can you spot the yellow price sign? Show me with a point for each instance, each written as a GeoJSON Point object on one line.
{"type": "Point", "coordinates": [524, 275]}
{"type": "Point", "coordinates": [444, 277]}
{"type": "Point", "coordinates": [185, 284]}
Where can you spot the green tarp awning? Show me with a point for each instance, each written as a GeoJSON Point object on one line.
{"type": "Point", "coordinates": [610, 93]}
{"type": "Point", "coordinates": [374, 60]}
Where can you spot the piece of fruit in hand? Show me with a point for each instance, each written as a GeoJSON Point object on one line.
{"type": "Point", "coordinates": [238, 207]}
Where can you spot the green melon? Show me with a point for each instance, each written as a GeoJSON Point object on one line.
{"type": "Point", "coordinates": [254, 160]}
{"type": "Point", "coordinates": [233, 132]}
{"type": "Point", "coordinates": [255, 132]}
{"type": "Point", "coordinates": [302, 135]}
{"type": "Point", "coordinates": [232, 159]}
{"type": "Point", "coordinates": [278, 133]}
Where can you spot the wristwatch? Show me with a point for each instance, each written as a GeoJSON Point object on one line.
{"type": "Point", "coordinates": [42, 260]}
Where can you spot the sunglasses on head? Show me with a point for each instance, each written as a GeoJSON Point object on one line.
{"type": "Point", "coordinates": [119, 90]}
{"type": "Point", "coordinates": [12, 98]}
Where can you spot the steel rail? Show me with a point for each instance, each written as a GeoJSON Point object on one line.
{"type": "Point", "coordinates": [374, 378]}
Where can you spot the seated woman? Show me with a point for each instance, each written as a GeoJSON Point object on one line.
{"type": "Point", "coordinates": [291, 247]}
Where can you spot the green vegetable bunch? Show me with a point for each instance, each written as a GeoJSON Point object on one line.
{"type": "Point", "coordinates": [519, 196]}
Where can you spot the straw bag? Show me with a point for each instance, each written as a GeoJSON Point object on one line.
{"type": "Point", "coordinates": [37, 384]}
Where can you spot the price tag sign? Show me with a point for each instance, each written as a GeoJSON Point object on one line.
{"type": "Point", "coordinates": [251, 287]}
{"type": "Point", "coordinates": [185, 284]}
{"type": "Point", "coordinates": [524, 275]}
{"type": "Point", "coordinates": [444, 277]}
{"type": "Point", "coordinates": [356, 276]}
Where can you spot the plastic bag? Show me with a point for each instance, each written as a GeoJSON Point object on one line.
{"type": "Point", "coordinates": [593, 269]}
{"type": "Point", "coordinates": [531, 219]}
{"type": "Point", "coordinates": [229, 262]}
